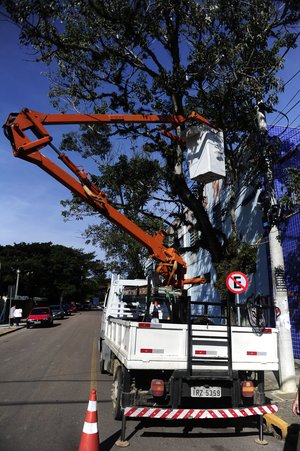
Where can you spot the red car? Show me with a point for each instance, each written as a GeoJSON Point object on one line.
{"type": "Point", "coordinates": [72, 308]}
{"type": "Point", "coordinates": [39, 316]}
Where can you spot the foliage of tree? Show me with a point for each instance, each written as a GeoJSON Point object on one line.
{"type": "Point", "coordinates": [170, 57]}
{"type": "Point", "coordinates": [128, 185]}
{"type": "Point", "coordinates": [290, 198]}
{"type": "Point", "coordinates": [50, 271]}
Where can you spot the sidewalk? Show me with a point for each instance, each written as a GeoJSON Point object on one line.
{"type": "Point", "coordinates": [7, 329]}
{"type": "Point", "coordinates": [284, 424]}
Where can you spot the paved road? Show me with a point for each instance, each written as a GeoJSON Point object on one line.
{"type": "Point", "coordinates": [165, 435]}
{"type": "Point", "coordinates": [45, 380]}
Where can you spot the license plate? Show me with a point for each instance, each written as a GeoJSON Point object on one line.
{"type": "Point", "coordinates": [206, 392]}
{"type": "Point", "coordinates": [36, 322]}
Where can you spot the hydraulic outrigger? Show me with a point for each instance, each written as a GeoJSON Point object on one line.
{"type": "Point", "coordinates": [171, 266]}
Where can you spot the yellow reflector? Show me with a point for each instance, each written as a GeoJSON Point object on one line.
{"type": "Point", "coordinates": [247, 389]}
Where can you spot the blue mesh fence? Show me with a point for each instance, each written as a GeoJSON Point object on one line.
{"type": "Point", "coordinates": [290, 138]}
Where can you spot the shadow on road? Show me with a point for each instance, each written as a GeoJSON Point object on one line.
{"type": "Point", "coordinates": [191, 430]}
{"type": "Point", "coordinates": [109, 443]}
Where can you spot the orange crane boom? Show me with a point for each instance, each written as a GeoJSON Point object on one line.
{"type": "Point", "coordinates": [171, 265]}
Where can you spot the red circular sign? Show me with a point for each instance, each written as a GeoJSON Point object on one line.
{"type": "Point", "coordinates": [237, 282]}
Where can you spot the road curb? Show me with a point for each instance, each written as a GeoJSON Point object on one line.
{"type": "Point", "coordinates": [9, 331]}
{"type": "Point", "coordinates": [273, 423]}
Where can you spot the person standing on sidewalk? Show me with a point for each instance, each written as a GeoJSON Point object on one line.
{"type": "Point", "coordinates": [295, 407]}
{"type": "Point", "coordinates": [12, 315]}
{"type": "Point", "coordinates": [296, 411]}
{"type": "Point", "coordinates": [18, 315]}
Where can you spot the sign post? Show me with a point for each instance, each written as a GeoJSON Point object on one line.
{"type": "Point", "coordinates": [238, 309]}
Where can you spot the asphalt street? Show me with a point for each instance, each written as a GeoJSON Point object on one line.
{"type": "Point", "coordinates": [45, 380]}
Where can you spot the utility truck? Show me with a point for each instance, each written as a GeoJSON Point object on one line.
{"type": "Point", "coordinates": [170, 362]}
{"type": "Point", "coordinates": [170, 357]}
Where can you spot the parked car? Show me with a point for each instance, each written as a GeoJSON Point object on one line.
{"type": "Point", "coordinates": [39, 316]}
{"type": "Point", "coordinates": [57, 311]}
{"type": "Point", "coordinates": [87, 305]}
{"type": "Point", "coordinates": [79, 306]}
{"type": "Point", "coordinates": [73, 308]}
{"type": "Point", "coordinates": [66, 309]}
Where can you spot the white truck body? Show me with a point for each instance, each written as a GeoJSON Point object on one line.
{"type": "Point", "coordinates": [164, 346]}
{"type": "Point", "coordinates": [166, 363]}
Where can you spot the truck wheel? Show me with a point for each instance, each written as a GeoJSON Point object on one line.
{"type": "Point", "coordinates": [102, 370]}
{"type": "Point", "coordinates": [116, 393]}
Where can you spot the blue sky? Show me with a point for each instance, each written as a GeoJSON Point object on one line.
{"type": "Point", "coordinates": [29, 198]}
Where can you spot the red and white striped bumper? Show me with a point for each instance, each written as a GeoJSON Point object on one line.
{"type": "Point", "coordinates": [194, 414]}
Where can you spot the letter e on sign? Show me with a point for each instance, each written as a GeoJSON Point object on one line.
{"type": "Point", "coordinates": [237, 282]}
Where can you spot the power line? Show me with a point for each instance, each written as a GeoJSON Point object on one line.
{"type": "Point", "coordinates": [279, 114]}
{"type": "Point", "coordinates": [293, 107]}
{"type": "Point", "coordinates": [290, 100]}
{"type": "Point", "coordinates": [285, 114]}
{"type": "Point", "coordinates": [295, 120]}
{"type": "Point", "coordinates": [291, 78]}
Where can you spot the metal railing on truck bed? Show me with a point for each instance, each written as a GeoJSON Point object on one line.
{"type": "Point", "coordinates": [255, 312]}
{"type": "Point", "coordinates": [196, 337]}
{"type": "Point", "coordinates": [129, 307]}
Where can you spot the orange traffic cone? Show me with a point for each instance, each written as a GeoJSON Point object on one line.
{"type": "Point", "coordinates": [90, 437]}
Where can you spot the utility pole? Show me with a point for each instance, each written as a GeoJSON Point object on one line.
{"type": "Point", "coordinates": [17, 283]}
{"type": "Point", "coordinates": [285, 349]}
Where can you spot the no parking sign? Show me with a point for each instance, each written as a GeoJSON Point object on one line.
{"type": "Point", "coordinates": [237, 282]}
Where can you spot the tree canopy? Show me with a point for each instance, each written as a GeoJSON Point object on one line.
{"type": "Point", "coordinates": [217, 57]}
{"type": "Point", "coordinates": [50, 271]}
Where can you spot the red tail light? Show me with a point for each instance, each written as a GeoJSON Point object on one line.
{"type": "Point", "coordinates": [157, 387]}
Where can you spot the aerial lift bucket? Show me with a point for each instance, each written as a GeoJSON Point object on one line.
{"type": "Point", "coordinates": [206, 156]}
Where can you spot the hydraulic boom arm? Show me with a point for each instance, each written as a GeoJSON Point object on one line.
{"type": "Point", "coordinates": [171, 265]}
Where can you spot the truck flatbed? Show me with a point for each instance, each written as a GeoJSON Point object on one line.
{"type": "Point", "coordinates": [163, 346]}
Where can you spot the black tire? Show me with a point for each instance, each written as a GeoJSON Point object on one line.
{"type": "Point", "coordinates": [102, 361]}
{"type": "Point", "coordinates": [102, 370]}
{"type": "Point", "coordinates": [116, 393]}
{"type": "Point", "coordinates": [27, 325]}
